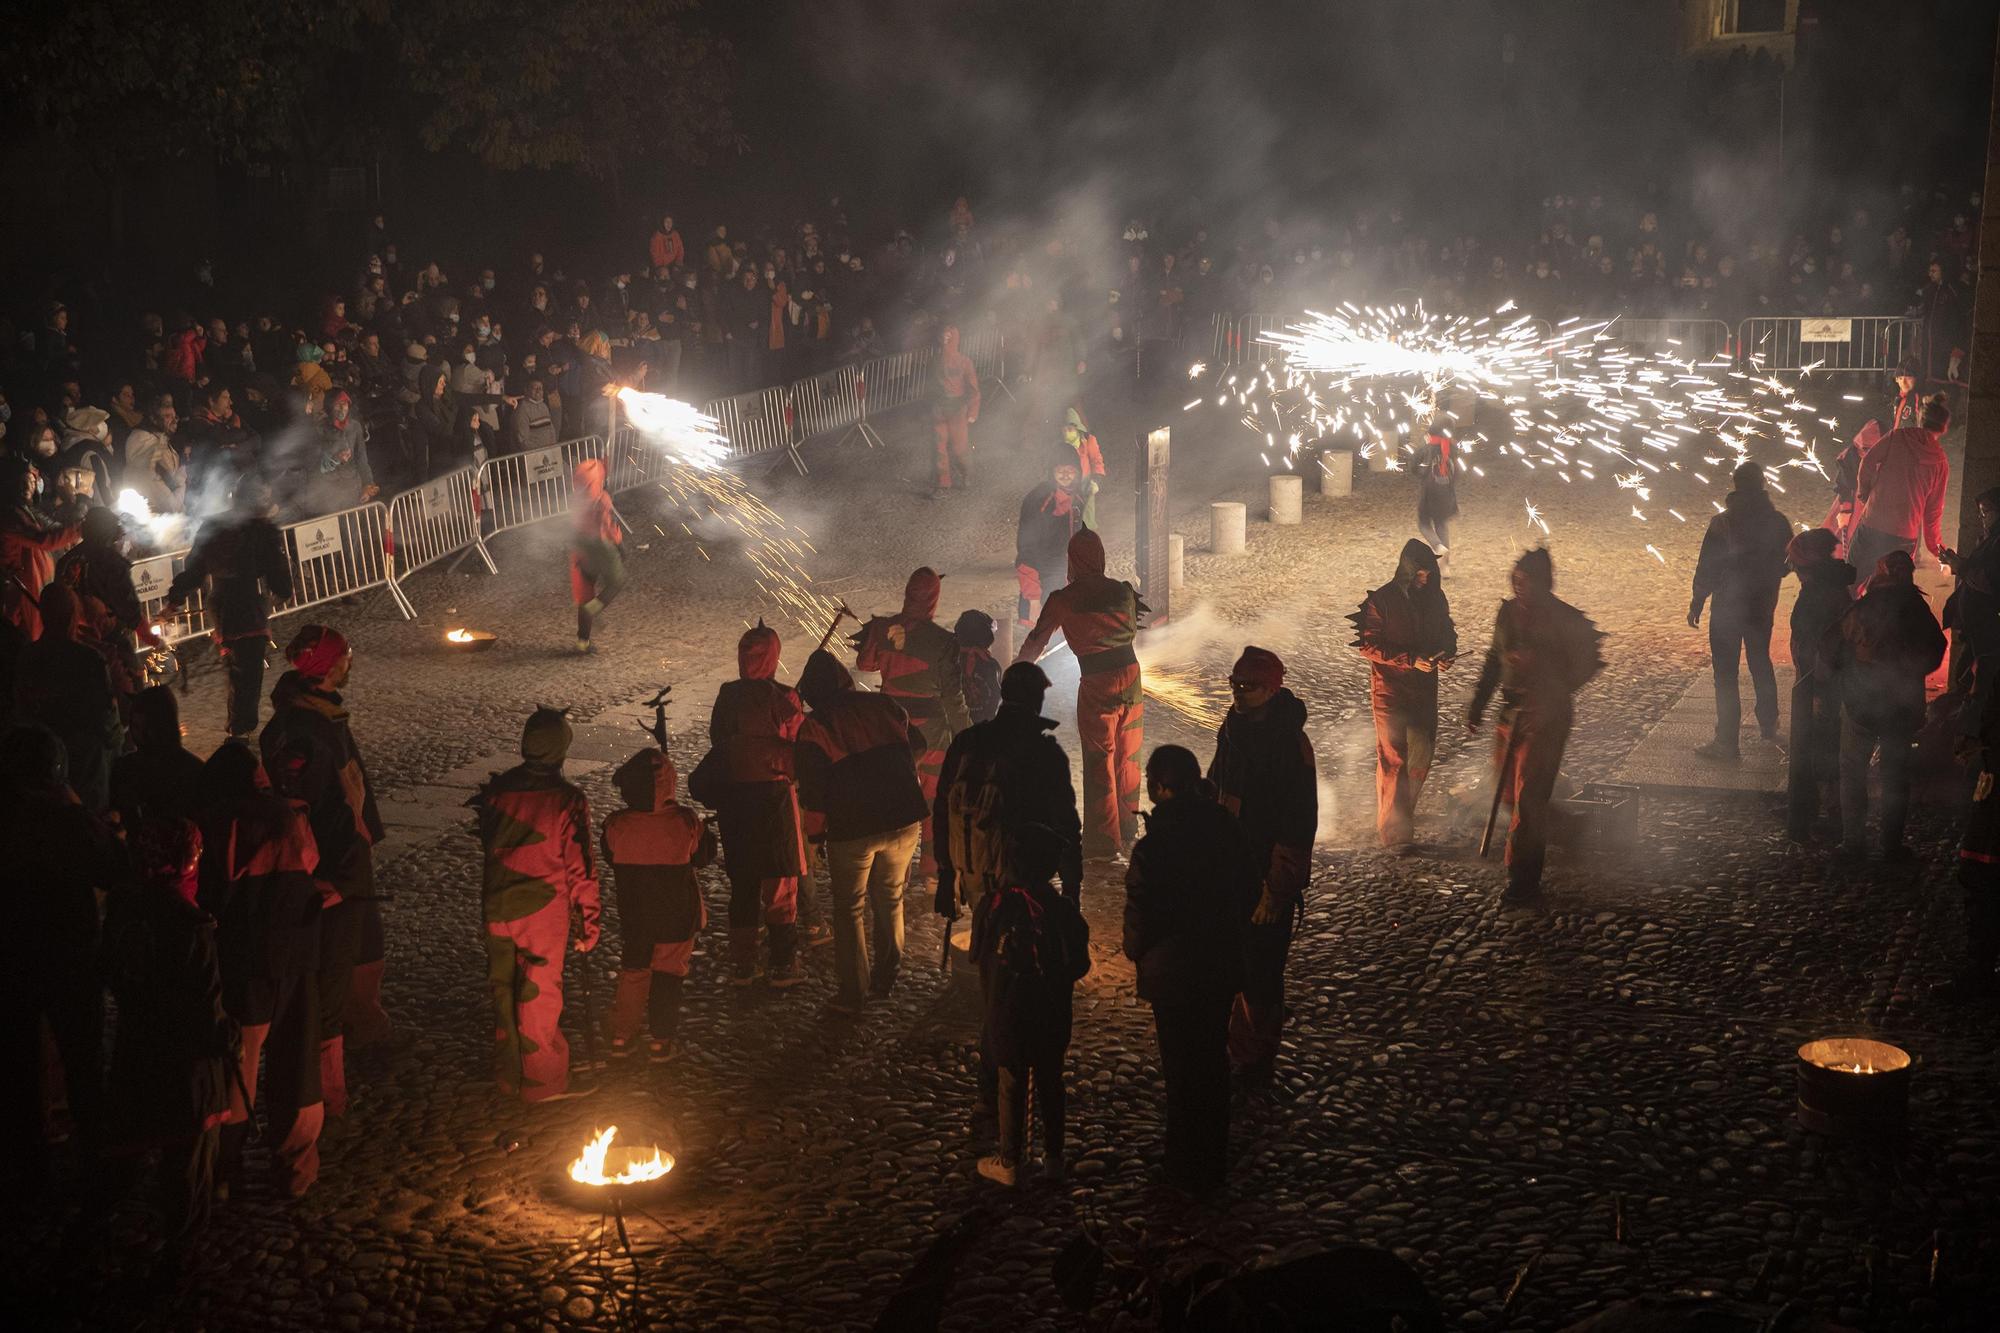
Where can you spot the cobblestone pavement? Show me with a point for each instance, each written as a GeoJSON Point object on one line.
{"type": "Point", "coordinates": [1472, 1088]}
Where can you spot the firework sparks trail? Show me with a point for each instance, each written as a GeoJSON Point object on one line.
{"type": "Point", "coordinates": [1577, 399]}
{"type": "Point", "coordinates": [685, 465]}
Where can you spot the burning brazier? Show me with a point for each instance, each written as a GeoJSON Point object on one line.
{"type": "Point", "coordinates": [1853, 1086]}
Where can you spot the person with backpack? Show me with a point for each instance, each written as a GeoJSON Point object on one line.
{"type": "Point", "coordinates": [1189, 892]}
{"type": "Point", "coordinates": [1032, 947]}
{"type": "Point", "coordinates": [1099, 618]}
{"type": "Point", "coordinates": [1265, 774]}
{"type": "Point", "coordinates": [858, 774]}
{"type": "Point", "coordinates": [1880, 652]}
{"type": "Point", "coordinates": [654, 846]}
{"type": "Point", "coordinates": [534, 827]}
{"type": "Point", "coordinates": [978, 673]}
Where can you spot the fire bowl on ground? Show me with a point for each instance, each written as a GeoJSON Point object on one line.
{"type": "Point", "coordinates": [1852, 1087]}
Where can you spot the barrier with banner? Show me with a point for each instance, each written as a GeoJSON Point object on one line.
{"type": "Point", "coordinates": [151, 578]}
{"type": "Point", "coordinates": [518, 489]}
{"type": "Point", "coordinates": [338, 555]}
{"type": "Point", "coordinates": [429, 522]}
{"type": "Point", "coordinates": [1874, 344]}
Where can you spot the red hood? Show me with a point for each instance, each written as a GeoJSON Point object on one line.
{"type": "Point", "coordinates": [590, 476]}
{"type": "Point", "coordinates": [757, 653]}
{"type": "Point", "coordinates": [1086, 554]}
{"type": "Point", "coordinates": [950, 340]}
{"type": "Point", "coordinates": [921, 593]}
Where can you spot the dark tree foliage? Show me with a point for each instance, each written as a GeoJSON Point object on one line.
{"type": "Point", "coordinates": [596, 85]}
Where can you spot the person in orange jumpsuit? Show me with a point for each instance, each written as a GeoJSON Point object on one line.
{"type": "Point", "coordinates": [1099, 618]}
{"type": "Point", "coordinates": [654, 846]}
{"type": "Point", "coordinates": [596, 569]}
{"type": "Point", "coordinates": [535, 829]}
{"type": "Point", "coordinates": [748, 779]}
{"type": "Point", "coordinates": [1089, 461]}
{"type": "Point", "coordinates": [1404, 629]}
{"type": "Point", "coordinates": [954, 408]}
{"type": "Point", "coordinates": [1543, 651]}
{"type": "Point", "coordinates": [918, 661]}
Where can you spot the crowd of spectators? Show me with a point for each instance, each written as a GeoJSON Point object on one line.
{"type": "Point", "coordinates": [418, 364]}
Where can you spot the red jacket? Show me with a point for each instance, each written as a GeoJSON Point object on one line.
{"type": "Point", "coordinates": [1901, 487]}
{"type": "Point", "coordinates": [666, 249]}
{"type": "Point", "coordinates": [1098, 616]}
{"type": "Point", "coordinates": [535, 828]}
{"type": "Point", "coordinates": [918, 659]}
{"type": "Point", "coordinates": [28, 545]}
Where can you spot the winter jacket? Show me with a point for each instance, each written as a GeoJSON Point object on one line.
{"type": "Point", "coordinates": [1901, 487]}
{"type": "Point", "coordinates": [170, 1068]}
{"type": "Point", "coordinates": [29, 540]}
{"type": "Point", "coordinates": [1050, 516]}
{"type": "Point", "coordinates": [258, 880]}
{"type": "Point", "coordinates": [666, 249]}
{"type": "Point", "coordinates": [60, 857]}
{"type": "Point", "coordinates": [979, 681]}
{"type": "Point", "coordinates": [310, 754]}
{"type": "Point", "coordinates": [751, 732]}
{"type": "Point", "coordinates": [531, 427]}
{"type": "Point", "coordinates": [856, 757]}
{"type": "Point", "coordinates": [1742, 558]}
{"type": "Point", "coordinates": [1097, 615]}
{"type": "Point", "coordinates": [1436, 465]}
{"type": "Point", "coordinates": [65, 686]}
{"type": "Point", "coordinates": [1880, 651]}
{"type": "Point", "coordinates": [654, 847]}
{"type": "Point", "coordinates": [1032, 772]}
{"type": "Point", "coordinates": [156, 470]}
{"type": "Point", "coordinates": [1189, 892]}
{"type": "Point", "coordinates": [1399, 623]}
{"type": "Point", "coordinates": [534, 827]}
{"type": "Point", "coordinates": [1265, 775]}
{"type": "Point", "coordinates": [1540, 654]}
{"type": "Point", "coordinates": [242, 557]}
{"type": "Point", "coordinates": [918, 659]}
{"type": "Point", "coordinates": [1032, 946]}
{"type": "Point", "coordinates": [1825, 595]}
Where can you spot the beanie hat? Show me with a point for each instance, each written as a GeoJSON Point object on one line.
{"type": "Point", "coordinates": [1937, 413]}
{"type": "Point", "coordinates": [1260, 667]}
{"type": "Point", "coordinates": [1895, 567]}
{"type": "Point", "coordinates": [1538, 566]}
{"type": "Point", "coordinates": [546, 737]}
{"type": "Point", "coordinates": [974, 629]}
{"type": "Point", "coordinates": [1024, 683]}
{"type": "Point", "coordinates": [1810, 547]}
{"type": "Point", "coordinates": [316, 650]}
{"type": "Point", "coordinates": [1748, 476]}
{"type": "Point", "coordinates": [416, 352]}
{"type": "Point", "coordinates": [102, 525]}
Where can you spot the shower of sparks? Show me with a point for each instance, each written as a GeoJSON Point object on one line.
{"type": "Point", "coordinates": [1580, 402]}
{"type": "Point", "coordinates": [1186, 691]}
{"type": "Point", "coordinates": [681, 455]}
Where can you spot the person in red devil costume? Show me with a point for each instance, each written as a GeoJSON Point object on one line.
{"type": "Point", "coordinates": [918, 661]}
{"type": "Point", "coordinates": [1404, 629]}
{"type": "Point", "coordinates": [1544, 650]}
{"type": "Point", "coordinates": [954, 408]}
{"type": "Point", "coordinates": [654, 845]}
{"type": "Point", "coordinates": [534, 826]}
{"type": "Point", "coordinates": [1099, 618]}
{"type": "Point", "coordinates": [596, 569]}
{"type": "Point", "coordinates": [748, 779]}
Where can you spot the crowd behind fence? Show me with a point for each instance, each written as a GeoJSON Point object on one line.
{"type": "Point", "coordinates": [379, 545]}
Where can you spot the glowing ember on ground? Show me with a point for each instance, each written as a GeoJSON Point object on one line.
{"type": "Point", "coordinates": [589, 1168]}
{"type": "Point", "coordinates": [459, 635]}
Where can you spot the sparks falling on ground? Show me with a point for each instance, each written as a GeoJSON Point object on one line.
{"type": "Point", "coordinates": [683, 456]}
{"type": "Point", "coordinates": [1576, 401]}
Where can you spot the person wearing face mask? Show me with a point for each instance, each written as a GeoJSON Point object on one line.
{"type": "Point", "coordinates": [478, 396]}
{"type": "Point", "coordinates": [344, 476]}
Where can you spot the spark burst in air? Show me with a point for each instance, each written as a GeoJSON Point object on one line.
{"type": "Point", "coordinates": [683, 455]}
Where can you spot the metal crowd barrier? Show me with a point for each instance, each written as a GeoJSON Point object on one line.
{"type": "Point", "coordinates": [518, 489]}
{"type": "Point", "coordinates": [1874, 344]}
{"type": "Point", "coordinates": [338, 555]}
{"type": "Point", "coordinates": [1701, 339]}
{"type": "Point", "coordinates": [151, 578]}
{"type": "Point", "coordinates": [437, 519]}
{"type": "Point", "coordinates": [753, 422]}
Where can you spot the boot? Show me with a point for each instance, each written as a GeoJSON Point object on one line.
{"type": "Point", "coordinates": [365, 1021]}
{"type": "Point", "coordinates": [742, 955]}
{"type": "Point", "coordinates": [333, 1076]}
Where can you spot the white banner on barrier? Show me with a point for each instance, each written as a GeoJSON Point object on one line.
{"type": "Point", "coordinates": [1826, 330]}
{"type": "Point", "coordinates": [434, 501]}
{"type": "Point", "coordinates": [318, 539]}
{"type": "Point", "coordinates": [152, 578]}
{"type": "Point", "coordinates": [545, 464]}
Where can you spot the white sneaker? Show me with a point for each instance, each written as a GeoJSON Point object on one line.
{"type": "Point", "coordinates": [997, 1170]}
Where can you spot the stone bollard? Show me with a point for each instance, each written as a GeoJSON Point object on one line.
{"type": "Point", "coordinates": [1336, 472]}
{"type": "Point", "coordinates": [1288, 492]}
{"type": "Point", "coordinates": [1378, 459]}
{"type": "Point", "coordinates": [1176, 561]}
{"type": "Point", "coordinates": [1228, 523]}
